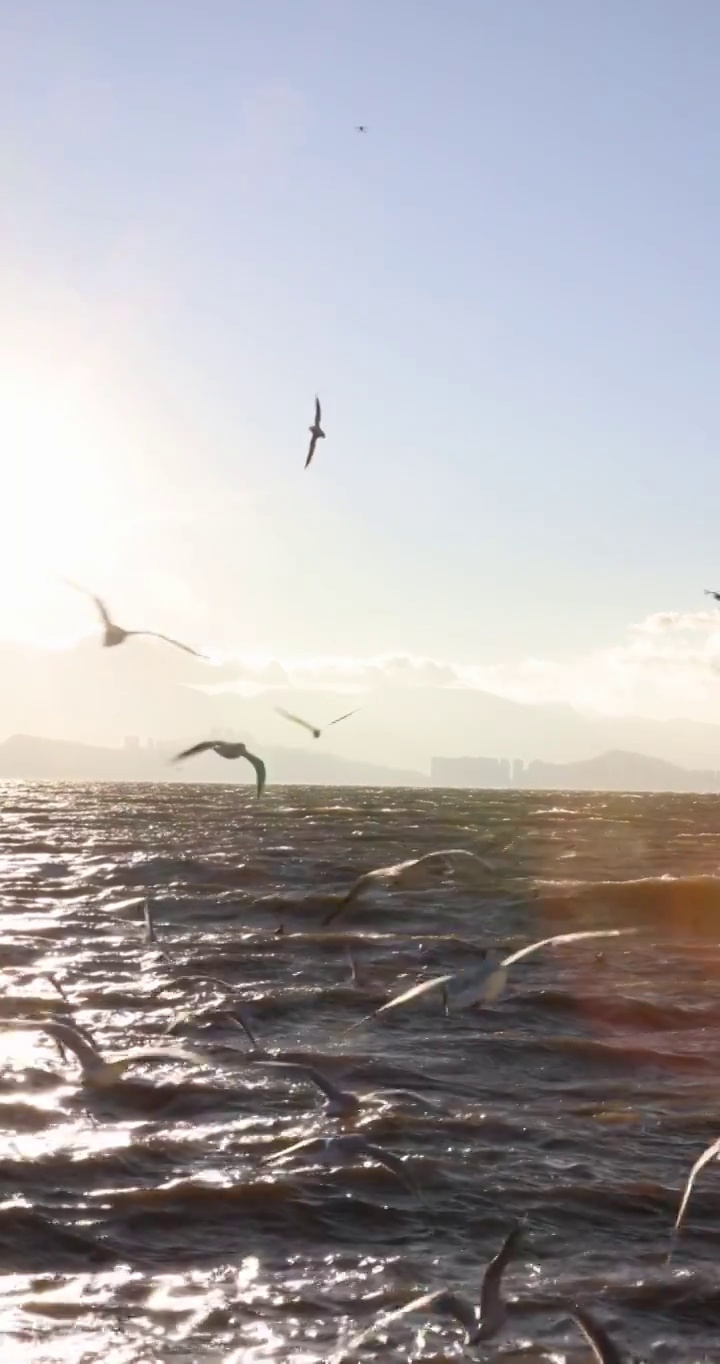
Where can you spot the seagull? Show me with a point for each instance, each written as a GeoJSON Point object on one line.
{"type": "Point", "coordinates": [341, 1103]}
{"type": "Point", "coordinates": [478, 1327]}
{"type": "Point", "coordinates": [327, 1147]}
{"type": "Point", "coordinates": [490, 987]}
{"type": "Point", "coordinates": [709, 593]}
{"type": "Point", "coordinates": [316, 432]}
{"type": "Point", "coordinates": [415, 872]}
{"type": "Point", "coordinates": [361, 128]}
{"type": "Point", "coordinates": [96, 1069]}
{"type": "Point", "coordinates": [711, 1152]}
{"type": "Point", "coordinates": [114, 634]}
{"type": "Point", "coordinates": [226, 750]}
{"type": "Point", "coordinates": [315, 732]}
{"type": "Point", "coordinates": [604, 1349]}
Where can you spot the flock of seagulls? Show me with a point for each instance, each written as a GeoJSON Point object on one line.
{"type": "Point", "coordinates": [478, 985]}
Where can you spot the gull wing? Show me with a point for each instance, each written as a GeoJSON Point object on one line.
{"type": "Point", "coordinates": [391, 1162]}
{"type": "Point", "coordinates": [260, 770]}
{"type": "Point", "coordinates": [415, 992]}
{"type": "Point", "coordinates": [346, 716]}
{"type": "Point", "coordinates": [71, 1038]}
{"type": "Point", "coordinates": [426, 1303]}
{"type": "Point", "coordinates": [558, 938]}
{"type": "Point", "coordinates": [153, 634]}
{"type": "Point", "coordinates": [604, 1349]}
{"type": "Point", "coordinates": [296, 719]}
{"type": "Point", "coordinates": [710, 1153]}
{"type": "Point", "coordinates": [305, 1145]}
{"type": "Point", "coordinates": [318, 412]}
{"type": "Point", "coordinates": [311, 451]}
{"type": "Point", "coordinates": [492, 1278]}
{"type": "Point", "coordinates": [99, 603]}
{"type": "Point", "coordinates": [204, 747]}
{"type": "Point", "coordinates": [330, 1090]}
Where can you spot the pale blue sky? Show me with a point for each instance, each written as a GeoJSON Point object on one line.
{"type": "Point", "coordinates": [506, 294]}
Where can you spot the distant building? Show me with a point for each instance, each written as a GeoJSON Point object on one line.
{"type": "Point", "coordinates": [486, 773]}
{"type": "Point", "coordinates": [518, 772]}
{"type": "Point", "coordinates": [131, 743]}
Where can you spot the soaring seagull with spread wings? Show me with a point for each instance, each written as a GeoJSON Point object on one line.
{"type": "Point", "coordinates": [114, 634]}
{"type": "Point", "coordinates": [297, 720]}
{"type": "Point", "coordinates": [316, 432]}
{"type": "Point", "coordinates": [226, 750]}
{"type": "Point", "coordinates": [709, 593]}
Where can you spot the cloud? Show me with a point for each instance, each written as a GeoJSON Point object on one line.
{"type": "Point", "coordinates": [668, 666]}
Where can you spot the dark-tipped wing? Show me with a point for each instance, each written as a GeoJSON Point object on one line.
{"type": "Point", "coordinates": [204, 747]}
{"type": "Point", "coordinates": [311, 450]}
{"type": "Point", "coordinates": [318, 412]}
{"type": "Point", "coordinates": [167, 640]}
{"type": "Point", "coordinates": [99, 603]}
{"type": "Point", "coordinates": [260, 770]}
{"type": "Point", "coordinates": [709, 593]}
{"type": "Point", "coordinates": [346, 716]}
{"type": "Point", "coordinates": [296, 719]}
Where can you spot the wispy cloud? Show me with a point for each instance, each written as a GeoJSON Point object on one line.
{"type": "Point", "coordinates": [667, 666]}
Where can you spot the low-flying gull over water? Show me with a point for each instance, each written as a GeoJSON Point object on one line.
{"type": "Point", "coordinates": [711, 1152]}
{"type": "Point", "coordinates": [227, 750]}
{"type": "Point", "coordinates": [297, 720]}
{"type": "Point", "coordinates": [604, 1349]}
{"type": "Point", "coordinates": [490, 985]}
{"type": "Point", "coordinates": [478, 1326]}
{"type": "Point", "coordinates": [417, 872]}
{"type": "Point", "coordinates": [316, 432]}
{"type": "Point", "coordinates": [114, 634]}
{"type": "Point", "coordinates": [327, 1148]}
{"type": "Point", "coordinates": [97, 1069]}
{"type": "Point", "coordinates": [342, 1103]}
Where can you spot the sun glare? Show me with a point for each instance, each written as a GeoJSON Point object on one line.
{"type": "Point", "coordinates": [62, 503]}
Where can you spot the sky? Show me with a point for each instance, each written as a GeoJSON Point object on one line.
{"type": "Point", "coordinates": [505, 292]}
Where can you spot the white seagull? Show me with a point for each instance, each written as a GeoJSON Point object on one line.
{"type": "Point", "coordinates": [325, 1148]}
{"type": "Point", "coordinates": [711, 1152]}
{"type": "Point", "coordinates": [297, 720]}
{"type": "Point", "coordinates": [316, 432]}
{"type": "Point", "coordinates": [478, 1327]}
{"type": "Point", "coordinates": [415, 872]}
{"type": "Point", "coordinates": [96, 1069]}
{"type": "Point", "coordinates": [489, 987]}
{"type": "Point", "coordinates": [230, 751]}
{"type": "Point", "coordinates": [114, 634]}
{"type": "Point", "coordinates": [604, 1349]}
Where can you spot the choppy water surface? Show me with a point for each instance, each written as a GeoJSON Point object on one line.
{"type": "Point", "coordinates": [140, 1223]}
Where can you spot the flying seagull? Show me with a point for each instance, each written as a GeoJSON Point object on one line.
{"type": "Point", "coordinates": [490, 986]}
{"type": "Point", "coordinates": [114, 634]}
{"type": "Point", "coordinates": [325, 1148]}
{"type": "Point", "coordinates": [416, 872]}
{"type": "Point", "coordinates": [478, 1327]}
{"type": "Point", "coordinates": [96, 1069]}
{"type": "Point", "coordinates": [225, 750]}
{"type": "Point", "coordinates": [361, 127]}
{"type": "Point", "coordinates": [316, 432]}
{"type": "Point", "coordinates": [709, 593]}
{"type": "Point", "coordinates": [297, 720]}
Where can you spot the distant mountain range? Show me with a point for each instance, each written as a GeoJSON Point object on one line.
{"type": "Point", "coordinates": [32, 758]}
